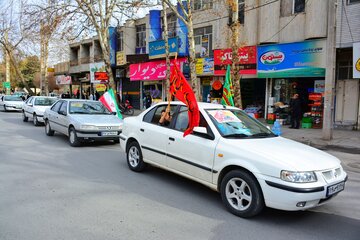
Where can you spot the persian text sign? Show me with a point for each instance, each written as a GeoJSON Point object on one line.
{"type": "Point", "coordinates": [247, 60]}
{"type": "Point", "coordinates": [155, 70]}
{"type": "Point", "coordinates": [157, 48]}
{"type": "Point", "coordinates": [356, 60]}
{"type": "Point", "coordinates": [120, 58]}
{"type": "Point", "coordinates": [96, 67]}
{"type": "Point", "coordinates": [301, 59]}
{"type": "Point", "coordinates": [101, 76]}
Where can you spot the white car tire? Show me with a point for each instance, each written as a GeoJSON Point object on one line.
{"type": "Point", "coordinates": [241, 194]}
{"type": "Point", "coordinates": [24, 117]}
{"type": "Point", "coordinates": [73, 138]}
{"type": "Point", "coordinates": [48, 129]}
{"type": "Point", "coordinates": [134, 157]}
{"type": "Point", "coordinates": [35, 120]}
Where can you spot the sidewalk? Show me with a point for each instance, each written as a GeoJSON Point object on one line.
{"type": "Point", "coordinates": [343, 140]}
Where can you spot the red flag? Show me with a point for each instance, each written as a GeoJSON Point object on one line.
{"type": "Point", "coordinates": [181, 89]}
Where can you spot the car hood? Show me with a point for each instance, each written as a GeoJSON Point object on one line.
{"type": "Point", "coordinates": [17, 103]}
{"type": "Point", "coordinates": [285, 153]}
{"type": "Point", "coordinates": [100, 120]}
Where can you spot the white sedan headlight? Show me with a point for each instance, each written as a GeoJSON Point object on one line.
{"type": "Point", "coordinates": [88, 127]}
{"type": "Point", "coordinates": [298, 177]}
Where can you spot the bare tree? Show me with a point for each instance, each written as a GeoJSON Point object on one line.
{"type": "Point", "coordinates": [12, 34]}
{"type": "Point", "coordinates": [185, 15]}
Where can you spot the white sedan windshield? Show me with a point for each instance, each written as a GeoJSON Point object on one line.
{"type": "Point", "coordinates": [88, 108]}
{"type": "Point", "coordinates": [232, 123]}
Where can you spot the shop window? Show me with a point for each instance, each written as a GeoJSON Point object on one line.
{"type": "Point", "coordinates": [298, 6]}
{"type": "Point", "coordinates": [171, 20]}
{"type": "Point", "coordinates": [141, 35]}
{"type": "Point", "coordinates": [202, 4]}
{"type": "Point", "coordinates": [121, 41]}
{"type": "Point", "coordinates": [353, 1]}
{"type": "Point", "coordinates": [203, 42]}
{"type": "Point", "coordinates": [344, 70]}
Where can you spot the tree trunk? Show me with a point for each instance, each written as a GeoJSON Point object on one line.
{"type": "Point", "coordinates": [235, 75]}
{"type": "Point", "coordinates": [8, 78]}
{"type": "Point", "coordinates": [167, 54]}
{"type": "Point", "coordinates": [104, 44]}
{"type": "Point", "coordinates": [192, 59]}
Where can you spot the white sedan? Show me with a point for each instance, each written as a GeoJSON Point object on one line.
{"type": "Point", "coordinates": [11, 103]}
{"type": "Point", "coordinates": [82, 120]}
{"type": "Point", "coordinates": [35, 106]}
{"type": "Point", "coordinates": [235, 155]}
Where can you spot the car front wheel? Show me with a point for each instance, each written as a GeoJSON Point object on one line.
{"type": "Point", "coordinates": [134, 157]}
{"type": "Point", "coordinates": [24, 117]}
{"type": "Point", "coordinates": [73, 138]}
{"type": "Point", "coordinates": [5, 110]}
{"type": "Point", "coordinates": [35, 120]}
{"type": "Point", "coordinates": [241, 194]}
{"type": "Point", "coordinates": [48, 129]}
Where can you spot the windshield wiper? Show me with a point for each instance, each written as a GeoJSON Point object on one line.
{"type": "Point", "coordinates": [263, 134]}
{"type": "Point", "coordinates": [236, 135]}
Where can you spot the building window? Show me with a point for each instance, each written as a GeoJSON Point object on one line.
{"type": "Point", "coordinates": [290, 7]}
{"type": "Point", "coordinates": [121, 41]}
{"type": "Point", "coordinates": [141, 35]}
{"type": "Point", "coordinates": [353, 1]}
{"type": "Point", "coordinates": [203, 42]}
{"type": "Point", "coordinates": [171, 22]}
{"type": "Point", "coordinates": [298, 6]}
{"type": "Point", "coordinates": [344, 69]}
{"type": "Point", "coordinates": [203, 4]}
{"type": "Point", "coordinates": [241, 11]}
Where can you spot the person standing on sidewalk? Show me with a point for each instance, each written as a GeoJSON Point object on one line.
{"type": "Point", "coordinates": [295, 110]}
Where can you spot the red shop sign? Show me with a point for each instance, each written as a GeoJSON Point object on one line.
{"type": "Point", "coordinates": [101, 76]}
{"type": "Point", "coordinates": [247, 60]}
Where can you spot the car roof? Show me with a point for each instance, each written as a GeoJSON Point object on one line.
{"type": "Point", "coordinates": [202, 105]}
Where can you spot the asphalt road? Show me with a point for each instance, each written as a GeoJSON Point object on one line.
{"type": "Point", "coordinates": [49, 190]}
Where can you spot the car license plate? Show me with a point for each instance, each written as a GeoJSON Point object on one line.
{"type": "Point", "coordinates": [109, 133]}
{"type": "Point", "coordinates": [331, 190]}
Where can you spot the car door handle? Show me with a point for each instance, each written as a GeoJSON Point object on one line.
{"type": "Point", "coordinates": [172, 139]}
{"type": "Point", "coordinates": [142, 130]}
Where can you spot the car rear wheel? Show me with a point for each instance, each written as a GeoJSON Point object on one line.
{"type": "Point", "coordinates": [35, 120]}
{"type": "Point", "coordinates": [48, 129]}
{"type": "Point", "coordinates": [73, 138]}
{"type": "Point", "coordinates": [134, 157]}
{"type": "Point", "coordinates": [241, 194]}
{"type": "Point", "coordinates": [24, 117]}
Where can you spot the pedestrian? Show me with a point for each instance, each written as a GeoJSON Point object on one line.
{"type": "Point", "coordinates": [97, 95]}
{"type": "Point", "coordinates": [295, 110]}
{"type": "Point", "coordinates": [148, 100]}
{"type": "Point", "coordinates": [91, 96]}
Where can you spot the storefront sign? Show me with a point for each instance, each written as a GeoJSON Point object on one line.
{"type": "Point", "coordinates": [182, 31]}
{"type": "Point", "coordinates": [155, 25]}
{"type": "Point", "coordinates": [6, 85]}
{"type": "Point", "coordinates": [155, 70]}
{"type": "Point", "coordinates": [63, 80]}
{"type": "Point", "coordinates": [97, 67]}
{"type": "Point", "coordinates": [356, 60]}
{"type": "Point", "coordinates": [204, 66]}
{"type": "Point", "coordinates": [100, 87]}
{"type": "Point", "coordinates": [120, 58]}
{"type": "Point", "coordinates": [247, 60]}
{"type": "Point", "coordinates": [101, 76]}
{"type": "Point", "coordinates": [51, 69]}
{"type": "Point", "coordinates": [157, 48]}
{"type": "Point", "coordinates": [112, 45]}
{"type": "Point", "coordinates": [302, 59]}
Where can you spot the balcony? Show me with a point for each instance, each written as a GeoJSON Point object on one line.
{"type": "Point", "coordinates": [98, 57]}
{"type": "Point", "coordinates": [74, 62]}
{"type": "Point", "coordinates": [85, 60]}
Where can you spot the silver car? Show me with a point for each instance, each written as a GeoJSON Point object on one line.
{"type": "Point", "coordinates": [82, 120]}
{"type": "Point", "coordinates": [11, 102]}
{"type": "Point", "coordinates": [35, 106]}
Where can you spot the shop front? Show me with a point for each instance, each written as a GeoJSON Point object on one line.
{"type": "Point", "coordinates": [150, 76]}
{"type": "Point", "coordinates": [294, 68]}
{"type": "Point", "coordinates": [252, 88]}
{"type": "Point", "coordinates": [205, 74]}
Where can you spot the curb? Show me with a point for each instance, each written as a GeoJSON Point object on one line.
{"type": "Point", "coordinates": [337, 148]}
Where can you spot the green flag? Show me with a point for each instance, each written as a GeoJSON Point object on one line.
{"type": "Point", "coordinates": [227, 96]}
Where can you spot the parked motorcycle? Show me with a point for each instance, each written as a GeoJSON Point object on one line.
{"type": "Point", "coordinates": [126, 108]}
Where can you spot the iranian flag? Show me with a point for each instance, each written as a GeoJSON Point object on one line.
{"type": "Point", "coordinates": [109, 101]}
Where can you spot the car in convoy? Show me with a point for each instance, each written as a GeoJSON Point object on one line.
{"type": "Point", "coordinates": [34, 108]}
{"type": "Point", "coordinates": [234, 154]}
{"type": "Point", "coordinates": [11, 103]}
{"type": "Point", "coordinates": [82, 120]}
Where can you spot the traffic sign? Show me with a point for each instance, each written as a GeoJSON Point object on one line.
{"type": "Point", "coordinates": [6, 85]}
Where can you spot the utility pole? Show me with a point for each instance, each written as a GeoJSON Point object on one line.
{"type": "Point", "coordinates": [7, 68]}
{"type": "Point", "coordinates": [167, 54]}
{"type": "Point", "coordinates": [327, 131]}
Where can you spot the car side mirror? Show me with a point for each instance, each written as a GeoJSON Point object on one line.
{"type": "Point", "coordinates": [61, 112]}
{"type": "Point", "coordinates": [201, 130]}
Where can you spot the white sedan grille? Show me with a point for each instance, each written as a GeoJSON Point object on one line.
{"type": "Point", "coordinates": [331, 175]}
